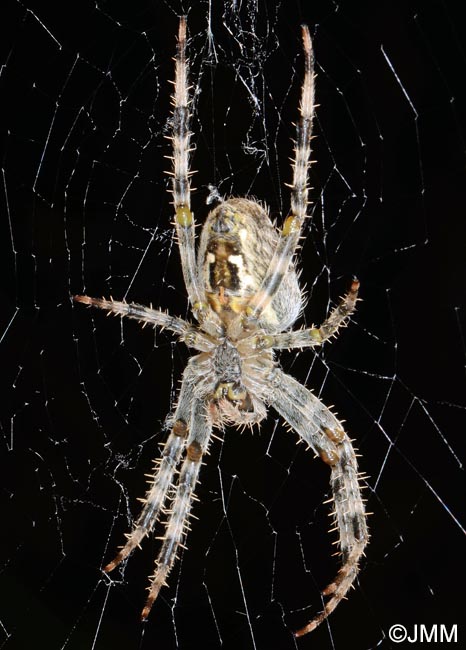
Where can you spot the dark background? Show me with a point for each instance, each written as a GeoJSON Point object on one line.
{"type": "Point", "coordinates": [85, 99]}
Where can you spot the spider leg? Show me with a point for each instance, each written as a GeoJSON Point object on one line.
{"type": "Point", "coordinates": [315, 423]}
{"type": "Point", "coordinates": [314, 336]}
{"type": "Point", "coordinates": [181, 186]}
{"type": "Point", "coordinates": [291, 230]}
{"type": "Point", "coordinates": [164, 472]}
{"type": "Point", "coordinates": [188, 333]}
{"type": "Point", "coordinates": [178, 515]}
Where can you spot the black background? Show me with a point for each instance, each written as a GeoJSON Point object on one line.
{"type": "Point", "coordinates": [84, 397]}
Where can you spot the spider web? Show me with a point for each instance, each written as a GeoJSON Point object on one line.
{"type": "Point", "coordinates": [85, 208]}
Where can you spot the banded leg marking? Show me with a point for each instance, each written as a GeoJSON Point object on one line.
{"type": "Point", "coordinates": [313, 336]}
{"type": "Point", "coordinates": [291, 231]}
{"type": "Point", "coordinates": [181, 187]}
{"type": "Point", "coordinates": [165, 469]}
{"type": "Point", "coordinates": [178, 515]}
{"type": "Point", "coordinates": [324, 433]}
{"type": "Point", "coordinates": [191, 335]}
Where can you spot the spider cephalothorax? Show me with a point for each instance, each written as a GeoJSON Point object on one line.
{"type": "Point", "coordinates": [243, 290]}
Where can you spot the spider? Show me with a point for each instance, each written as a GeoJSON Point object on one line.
{"type": "Point", "coordinates": [243, 290]}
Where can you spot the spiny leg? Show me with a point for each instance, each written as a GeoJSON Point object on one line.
{"type": "Point", "coordinates": [315, 423]}
{"type": "Point", "coordinates": [164, 472]}
{"type": "Point", "coordinates": [314, 336]}
{"type": "Point", "coordinates": [181, 187]}
{"type": "Point", "coordinates": [188, 333]}
{"type": "Point", "coordinates": [291, 231]}
{"type": "Point", "coordinates": [178, 514]}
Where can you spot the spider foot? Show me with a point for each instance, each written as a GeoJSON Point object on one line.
{"type": "Point", "coordinates": [114, 563]}
{"type": "Point", "coordinates": [158, 581]}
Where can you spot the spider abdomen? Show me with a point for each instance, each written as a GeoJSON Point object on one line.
{"type": "Point", "coordinates": [237, 243]}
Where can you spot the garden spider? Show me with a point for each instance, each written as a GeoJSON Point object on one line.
{"type": "Point", "coordinates": [243, 290]}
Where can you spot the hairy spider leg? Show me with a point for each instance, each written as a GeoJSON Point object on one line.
{"type": "Point", "coordinates": [177, 524]}
{"type": "Point", "coordinates": [164, 471]}
{"type": "Point", "coordinates": [190, 334]}
{"type": "Point", "coordinates": [291, 230]}
{"type": "Point", "coordinates": [181, 186]}
{"type": "Point", "coordinates": [324, 433]}
{"type": "Point", "coordinates": [315, 336]}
